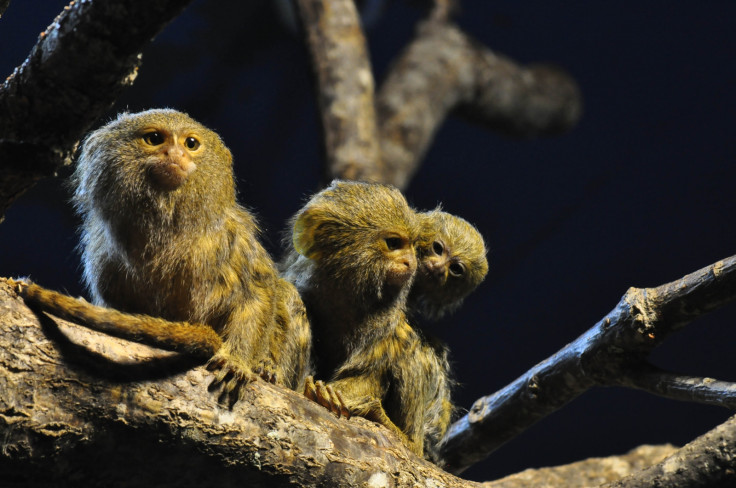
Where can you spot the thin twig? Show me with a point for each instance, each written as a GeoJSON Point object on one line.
{"type": "Point", "coordinates": [687, 388]}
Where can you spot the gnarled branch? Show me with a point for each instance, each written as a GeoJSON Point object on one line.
{"type": "Point", "coordinates": [79, 407]}
{"type": "Point", "coordinates": [615, 347]}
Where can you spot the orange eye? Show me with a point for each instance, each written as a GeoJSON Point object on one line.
{"type": "Point", "coordinates": [191, 143]}
{"type": "Point", "coordinates": [154, 138]}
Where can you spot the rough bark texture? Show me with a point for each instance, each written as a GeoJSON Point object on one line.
{"type": "Point", "coordinates": [708, 461]}
{"type": "Point", "coordinates": [78, 408]}
{"type": "Point", "coordinates": [591, 472]}
{"type": "Point", "coordinates": [54, 97]}
{"type": "Point", "coordinates": [344, 88]}
{"type": "Point", "coordinates": [612, 351]}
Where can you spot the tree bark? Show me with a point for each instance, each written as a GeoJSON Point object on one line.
{"type": "Point", "coordinates": [444, 71]}
{"type": "Point", "coordinates": [613, 352]}
{"type": "Point", "coordinates": [81, 408]}
{"type": "Point", "coordinates": [54, 97]}
{"type": "Point", "coordinates": [345, 86]}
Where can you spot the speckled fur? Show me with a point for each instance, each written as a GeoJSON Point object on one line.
{"type": "Point", "coordinates": [433, 296]}
{"type": "Point", "coordinates": [190, 254]}
{"type": "Point", "coordinates": [380, 365]}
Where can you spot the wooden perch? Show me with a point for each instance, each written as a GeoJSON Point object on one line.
{"type": "Point", "coordinates": [444, 71]}
{"type": "Point", "coordinates": [81, 408]}
{"type": "Point", "coordinates": [441, 71]}
{"type": "Point", "coordinates": [345, 87]}
{"type": "Point", "coordinates": [55, 96]}
{"type": "Point", "coordinates": [77, 405]}
{"type": "Point", "coordinates": [615, 348]}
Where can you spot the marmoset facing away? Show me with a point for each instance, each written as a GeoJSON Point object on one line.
{"type": "Point", "coordinates": [163, 236]}
{"type": "Point", "coordinates": [355, 266]}
{"type": "Point", "coordinates": [452, 263]}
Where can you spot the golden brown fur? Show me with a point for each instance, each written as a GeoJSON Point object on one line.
{"type": "Point", "coordinates": [452, 263]}
{"type": "Point", "coordinates": [355, 265]}
{"type": "Point", "coordinates": [163, 236]}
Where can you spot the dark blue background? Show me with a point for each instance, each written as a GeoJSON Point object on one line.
{"type": "Point", "coordinates": [641, 192]}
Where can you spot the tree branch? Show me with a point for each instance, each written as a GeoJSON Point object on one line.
{"type": "Point", "coordinates": [706, 462]}
{"type": "Point", "coordinates": [615, 346]}
{"type": "Point", "coordinates": [78, 407]}
{"type": "Point", "coordinates": [345, 88]}
{"type": "Point", "coordinates": [680, 387]}
{"type": "Point", "coordinates": [442, 71]}
{"type": "Point", "coordinates": [74, 73]}
{"type": "Point", "coordinates": [588, 473]}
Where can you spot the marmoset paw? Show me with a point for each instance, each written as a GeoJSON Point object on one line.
{"type": "Point", "coordinates": [326, 396]}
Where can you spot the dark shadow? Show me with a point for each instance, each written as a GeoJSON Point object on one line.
{"type": "Point", "coordinates": [98, 365]}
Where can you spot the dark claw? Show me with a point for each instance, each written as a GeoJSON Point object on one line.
{"type": "Point", "coordinates": [215, 363]}
{"type": "Point", "coordinates": [343, 409]}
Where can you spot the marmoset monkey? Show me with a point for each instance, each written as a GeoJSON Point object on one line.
{"type": "Point", "coordinates": [355, 266]}
{"type": "Point", "coordinates": [163, 236]}
{"type": "Point", "coordinates": [452, 263]}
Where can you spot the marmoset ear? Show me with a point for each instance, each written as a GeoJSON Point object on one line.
{"type": "Point", "coordinates": [306, 227]}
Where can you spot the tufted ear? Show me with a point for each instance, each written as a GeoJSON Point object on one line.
{"type": "Point", "coordinates": [305, 229]}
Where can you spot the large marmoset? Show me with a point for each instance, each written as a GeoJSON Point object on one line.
{"type": "Point", "coordinates": [163, 236]}
{"type": "Point", "coordinates": [355, 265]}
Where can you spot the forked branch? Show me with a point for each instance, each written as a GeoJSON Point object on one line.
{"type": "Point", "coordinates": [615, 348]}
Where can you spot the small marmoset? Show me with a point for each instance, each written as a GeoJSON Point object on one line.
{"type": "Point", "coordinates": [163, 236]}
{"type": "Point", "coordinates": [452, 263]}
{"type": "Point", "coordinates": [353, 262]}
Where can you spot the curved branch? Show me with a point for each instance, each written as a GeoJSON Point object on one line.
{"type": "Point", "coordinates": [80, 406]}
{"type": "Point", "coordinates": [444, 70]}
{"type": "Point", "coordinates": [344, 88]}
{"type": "Point", "coordinates": [619, 342]}
{"type": "Point", "coordinates": [74, 73]}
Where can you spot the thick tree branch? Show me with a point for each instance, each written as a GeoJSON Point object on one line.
{"type": "Point", "coordinates": [80, 408]}
{"type": "Point", "coordinates": [618, 344]}
{"type": "Point", "coordinates": [345, 88]}
{"type": "Point", "coordinates": [74, 73]}
{"type": "Point", "coordinates": [588, 473]}
{"type": "Point", "coordinates": [706, 462]}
